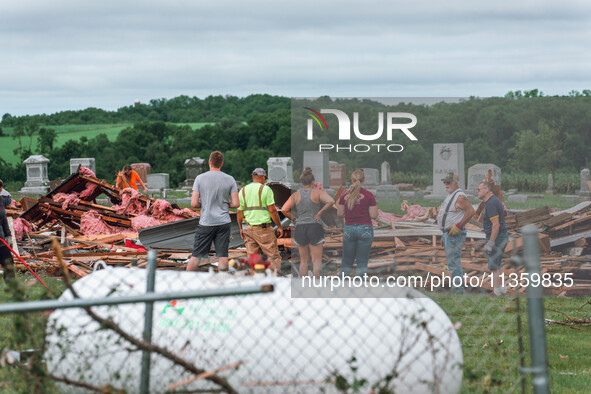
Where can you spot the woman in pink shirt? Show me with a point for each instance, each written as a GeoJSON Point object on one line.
{"type": "Point", "coordinates": [359, 207]}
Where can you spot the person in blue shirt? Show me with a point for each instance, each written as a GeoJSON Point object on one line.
{"type": "Point", "coordinates": [497, 238]}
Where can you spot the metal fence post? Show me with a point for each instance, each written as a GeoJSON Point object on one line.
{"type": "Point", "coordinates": [145, 377]}
{"type": "Point", "coordinates": [535, 312]}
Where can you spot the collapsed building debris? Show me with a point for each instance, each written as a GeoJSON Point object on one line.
{"type": "Point", "coordinates": [71, 210]}
{"type": "Point", "coordinates": [403, 245]}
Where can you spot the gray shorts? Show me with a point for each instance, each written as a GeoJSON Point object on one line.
{"type": "Point", "coordinates": [205, 235]}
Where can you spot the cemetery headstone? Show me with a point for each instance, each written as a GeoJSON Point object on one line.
{"type": "Point", "coordinates": [37, 180]}
{"type": "Point", "coordinates": [372, 176]}
{"type": "Point", "coordinates": [385, 177]}
{"type": "Point", "coordinates": [142, 169]}
{"type": "Point", "coordinates": [158, 181]}
{"type": "Point", "coordinates": [447, 158]}
{"type": "Point", "coordinates": [550, 189]}
{"type": "Point", "coordinates": [478, 172]}
{"type": "Point", "coordinates": [280, 169]}
{"type": "Point", "coordinates": [584, 177]}
{"type": "Point", "coordinates": [338, 175]}
{"type": "Point", "coordinates": [318, 162]}
{"type": "Point", "coordinates": [88, 162]}
{"type": "Point", "coordinates": [193, 167]}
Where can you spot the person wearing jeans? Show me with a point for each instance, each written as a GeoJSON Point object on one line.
{"type": "Point", "coordinates": [497, 238]}
{"type": "Point", "coordinates": [358, 206]}
{"type": "Point", "coordinates": [453, 255]}
{"type": "Point", "coordinates": [454, 213]}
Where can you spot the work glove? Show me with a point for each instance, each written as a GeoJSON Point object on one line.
{"type": "Point", "coordinates": [454, 231]}
{"type": "Point", "coordinates": [489, 246]}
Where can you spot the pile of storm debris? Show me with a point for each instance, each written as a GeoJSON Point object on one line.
{"type": "Point", "coordinates": [90, 232]}
{"type": "Point", "coordinates": [409, 244]}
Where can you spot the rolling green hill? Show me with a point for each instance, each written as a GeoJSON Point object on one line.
{"type": "Point", "coordinates": [65, 133]}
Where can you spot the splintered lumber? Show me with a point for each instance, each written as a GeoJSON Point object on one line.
{"type": "Point", "coordinates": [572, 226]}
{"type": "Point", "coordinates": [104, 239]}
{"type": "Point", "coordinates": [516, 245]}
{"type": "Point", "coordinates": [27, 202]}
{"type": "Point", "coordinates": [14, 246]}
{"type": "Point", "coordinates": [77, 271]}
{"type": "Point", "coordinates": [533, 216]}
{"type": "Point", "coordinates": [569, 238]}
{"type": "Point", "coordinates": [557, 219]}
{"type": "Point", "coordinates": [399, 244]}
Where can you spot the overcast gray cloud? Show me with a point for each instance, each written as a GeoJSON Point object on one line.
{"type": "Point", "coordinates": [70, 54]}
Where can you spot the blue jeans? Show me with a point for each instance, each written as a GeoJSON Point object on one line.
{"type": "Point", "coordinates": [453, 254]}
{"type": "Point", "coordinates": [496, 256]}
{"type": "Point", "coordinates": [357, 239]}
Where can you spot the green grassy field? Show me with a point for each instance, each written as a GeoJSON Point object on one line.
{"type": "Point", "coordinates": [488, 334]}
{"type": "Point", "coordinates": [66, 133]}
{"type": "Point", "coordinates": [553, 201]}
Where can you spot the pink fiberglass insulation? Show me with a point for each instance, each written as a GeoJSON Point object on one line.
{"type": "Point", "coordinates": [412, 211]}
{"type": "Point", "coordinates": [67, 199]}
{"type": "Point", "coordinates": [143, 221]}
{"type": "Point", "coordinates": [162, 210]}
{"type": "Point", "coordinates": [91, 223]}
{"type": "Point", "coordinates": [90, 187]}
{"type": "Point", "coordinates": [184, 211]}
{"type": "Point", "coordinates": [385, 217]}
{"type": "Point", "coordinates": [21, 226]}
{"type": "Point", "coordinates": [86, 172]}
{"type": "Point", "coordinates": [130, 198]}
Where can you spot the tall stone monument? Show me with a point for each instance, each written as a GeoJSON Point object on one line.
{"type": "Point", "coordinates": [385, 177]}
{"type": "Point", "coordinates": [447, 158]}
{"type": "Point", "coordinates": [387, 191]}
{"type": "Point", "coordinates": [550, 189]}
{"type": "Point", "coordinates": [318, 162]}
{"type": "Point", "coordinates": [585, 190]}
{"type": "Point", "coordinates": [280, 169]}
{"type": "Point", "coordinates": [88, 162]}
{"type": "Point", "coordinates": [37, 178]}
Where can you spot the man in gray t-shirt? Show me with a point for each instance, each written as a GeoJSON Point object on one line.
{"type": "Point", "coordinates": [215, 192]}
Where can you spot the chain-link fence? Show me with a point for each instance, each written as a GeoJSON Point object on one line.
{"type": "Point", "coordinates": [217, 332]}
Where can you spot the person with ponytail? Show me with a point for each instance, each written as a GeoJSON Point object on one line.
{"type": "Point", "coordinates": [358, 206]}
{"type": "Point", "coordinates": [310, 204]}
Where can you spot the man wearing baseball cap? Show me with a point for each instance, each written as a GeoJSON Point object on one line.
{"type": "Point", "coordinates": [257, 208]}
{"type": "Point", "coordinates": [454, 213]}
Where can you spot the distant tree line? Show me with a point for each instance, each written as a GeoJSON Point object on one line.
{"type": "Point", "coordinates": [523, 132]}
{"type": "Point", "coordinates": [181, 109]}
{"type": "Point", "coordinates": [166, 146]}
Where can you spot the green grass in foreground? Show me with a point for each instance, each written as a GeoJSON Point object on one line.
{"type": "Point", "coordinates": [25, 331]}
{"type": "Point", "coordinates": [488, 334]}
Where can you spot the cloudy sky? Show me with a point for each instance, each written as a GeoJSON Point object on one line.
{"type": "Point", "coordinates": [65, 54]}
